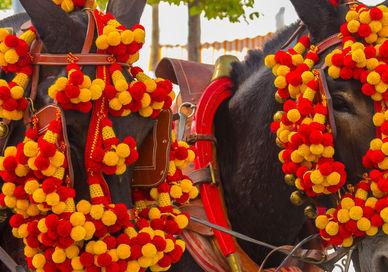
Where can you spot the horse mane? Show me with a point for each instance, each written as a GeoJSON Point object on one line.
{"type": "Point", "coordinates": [15, 21]}
{"type": "Point", "coordinates": [241, 71]}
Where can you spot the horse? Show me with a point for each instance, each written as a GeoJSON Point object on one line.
{"type": "Point", "coordinates": [63, 33]}
{"type": "Point", "coordinates": [256, 198]}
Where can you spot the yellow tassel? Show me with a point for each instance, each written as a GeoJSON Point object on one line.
{"type": "Point", "coordinates": [21, 80]}
{"type": "Point", "coordinates": [29, 36]}
{"type": "Point", "coordinates": [96, 191]}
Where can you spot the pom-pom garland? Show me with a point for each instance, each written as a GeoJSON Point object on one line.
{"type": "Point", "coordinates": [76, 91]}
{"type": "Point", "coordinates": [14, 58]}
{"type": "Point", "coordinates": [124, 44]}
{"type": "Point", "coordinates": [58, 233]}
{"type": "Point", "coordinates": [303, 131]}
{"type": "Point", "coordinates": [71, 5]}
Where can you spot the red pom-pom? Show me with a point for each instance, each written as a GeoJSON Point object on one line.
{"type": "Point", "coordinates": [16, 220]}
{"type": "Point", "coordinates": [64, 228]}
{"type": "Point", "coordinates": [104, 260]}
{"type": "Point", "coordinates": [375, 14]}
{"type": "Point", "coordinates": [72, 91]}
{"type": "Point", "coordinates": [76, 77]}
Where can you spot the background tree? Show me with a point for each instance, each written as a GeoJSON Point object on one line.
{"type": "Point", "coordinates": [233, 10]}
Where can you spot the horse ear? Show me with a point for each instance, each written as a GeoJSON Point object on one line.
{"type": "Point", "coordinates": [127, 12]}
{"type": "Point", "coordinates": [320, 17]}
{"type": "Point", "coordinates": [54, 26]}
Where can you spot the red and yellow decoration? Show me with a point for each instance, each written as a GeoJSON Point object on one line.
{"type": "Point", "coordinates": [60, 234]}
{"type": "Point", "coordinates": [304, 133]}
{"type": "Point", "coordinates": [15, 59]}
{"type": "Point", "coordinates": [71, 5]}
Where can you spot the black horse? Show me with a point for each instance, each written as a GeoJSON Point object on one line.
{"type": "Point", "coordinates": [257, 199]}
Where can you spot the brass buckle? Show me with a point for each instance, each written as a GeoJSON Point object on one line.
{"type": "Point", "coordinates": [213, 174]}
{"type": "Point", "coordinates": [4, 129]}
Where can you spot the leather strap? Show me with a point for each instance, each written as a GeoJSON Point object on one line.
{"type": "Point", "coordinates": [81, 59]}
{"type": "Point", "coordinates": [295, 35]}
{"type": "Point", "coordinates": [192, 139]}
{"type": "Point", "coordinates": [89, 33]}
{"type": "Point", "coordinates": [331, 41]}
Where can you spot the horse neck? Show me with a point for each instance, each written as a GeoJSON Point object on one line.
{"type": "Point", "coordinates": [255, 195]}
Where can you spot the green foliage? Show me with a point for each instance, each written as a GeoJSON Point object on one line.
{"type": "Point", "coordinates": [102, 4]}
{"type": "Point", "coordinates": [5, 4]}
{"type": "Point", "coordinates": [233, 10]}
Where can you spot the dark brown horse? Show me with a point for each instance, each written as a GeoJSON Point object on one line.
{"type": "Point", "coordinates": [256, 196]}
{"type": "Point", "coordinates": [64, 33]}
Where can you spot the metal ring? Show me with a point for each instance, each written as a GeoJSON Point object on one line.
{"type": "Point", "coordinates": [188, 105]}
{"type": "Point", "coordinates": [31, 104]}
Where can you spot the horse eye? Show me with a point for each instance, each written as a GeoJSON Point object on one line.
{"type": "Point", "coordinates": [341, 104]}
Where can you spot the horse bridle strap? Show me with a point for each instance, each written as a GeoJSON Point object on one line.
{"type": "Point", "coordinates": [80, 59]}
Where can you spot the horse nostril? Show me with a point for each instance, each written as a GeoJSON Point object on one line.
{"type": "Point", "coordinates": [381, 263]}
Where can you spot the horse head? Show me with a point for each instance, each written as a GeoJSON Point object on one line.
{"type": "Point", "coordinates": [62, 33]}
{"type": "Point", "coordinates": [353, 112]}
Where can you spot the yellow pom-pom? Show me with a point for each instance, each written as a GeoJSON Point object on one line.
{"type": "Point", "coordinates": [146, 100]}
{"type": "Point", "coordinates": [175, 191]}
{"type": "Point", "coordinates": [365, 17]}
{"type": "Point", "coordinates": [333, 178]}
{"type": "Point", "coordinates": [363, 224]}
{"type": "Point", "coordinates": [114, 38]}
{"type": "Point", "coordinates": [96, 92]}
{"type": "Point", "coordinates": [384, 214]}
{"type": "Point", "coordinates": [133, 266]}
{"type": "Point", "coordinates": [29, 251]}
{"type": "Point", "coordinates": [186, 185]}
{"type": "Point", "coordinates": [123, 150]}
{"type": "Point", "coordinates": [193, 193]}
{"type": "Point", "coordinates": [373, 78]}
{"type": "Point", "coordinates": [372, 231]}
{"type": "Point", "coordinates": [347, 242]}
{"type": "Point", "coordinates": [99, 247]}
{"type": "Point", "coordinates": [59, 208]}
{"type": "Point", "coordinates": [8, 188]}
{"type": "Point", "coordinates": [109, 218]}
{"type": "Point", "coordinates": [10, 201]}
{"type": "Point", "coordinates": [371, 202]}
{"type": "Point", "coordinates": [52, 199]}
{"type": "Point", "coordinates": [38, 261]}
{"type": "Point", "coordinates": [39, 196]}
{"type": "Point", "coordinates": [17, 92]}
{"type": "Point", "coordinates": [139, 35]}
{"type": "Point", "coordinates": [111, 158]}
{"type": "Point", "coordinates": [149, 250]}
{"type": "Point", "coordinates": [316, 177]}
{"type": "Point", "coordinates": [378, 119]}
{"type": "Point", "coordinates": [59, 256]}
{"type": "Point", "coordinates": [78, 233]}
{"type": "Point", "coordinates": [84, 206]}
{"type": "Point", "coordinates": [102, 42]}
{"type": "Point", "coordinates": [353, 26]}
{"type": "Point", "coordinates": [280, 82]}
{"type": "Point", "coordinates": [72, 251]}
{"type": "Point", "coordinates": [123, 251]}
{"type": "Point", "coordinates": [96, 211]}
{"type": "Point", "coordinates": [351, 15]}
{"type": "Point", "coordinates": [169, 245]}
{"type": "Point", "coordinates": [385, 228]}
{"type": "Point", "coordinates": [334, 72]}
{"type": "Point", "coordinates": [359, 56]}
{"type": "Point", "coordinates": [85, 95]}
{"type": "Point", "coordinates": [182, 221]}
{"type": "Point", "coordinates": [293, 115]}
{"type": "Point", "coordinates": [77, 219]}
{"type": "Point", "coordinates": [115, 104]}
{"type": "Point", "coordinates": [343, 216]}
{"type": "Point", "coordinates": [332, 228]}
{"type": "Point", "coordinates": [146, 112]}
{"type": "Point", "coordinates": [76, 264]}
{"type": "Point", "coordinates": [125, 97]}
{"type": "Point", "coordinates": [90, 230]}
{"type": "Point", "coordinates": [11, 56]}
{"type": "Point", "coordinates": [31, 149]}
{"type": "Point", "coordinates": [355, 212]}
{"type": "Point", "coordinates": [154, 213]}
{"type": "Point", "coordinates": [127, 37]}
{"type": "Point", "coordinates": [270, 61]}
